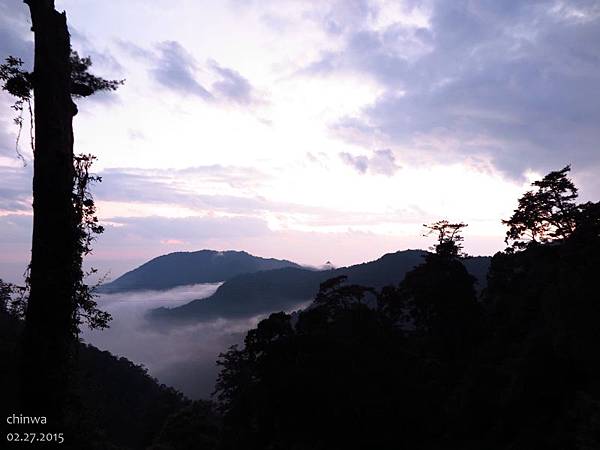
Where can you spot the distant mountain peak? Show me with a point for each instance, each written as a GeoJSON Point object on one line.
{"type": "Point", "coordinates": [193, 267]}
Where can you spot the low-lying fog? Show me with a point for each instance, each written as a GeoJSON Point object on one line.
{"type": "Point", "coordinates": [182, 356]}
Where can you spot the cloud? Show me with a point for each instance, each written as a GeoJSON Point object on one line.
{"type": "Point", "coordinates": [192, 230]}
{"type": "Point", "coordinates": [15, 240]}
{"type": "Point", "coordinates": [184, 358]}
{"type": "Point", "coordinates": [359, 163]}
{"type": "Point", "coordinates": [225, 191]}
{"type": "Point", "coordinates": [104, 64]}
{"type": "Point", "coordinates": [103, 60]}
{"type": "Point", "coordinates": [214, 187]}
{"type": "Point", "coordinates": [16, 229]}
{"type": "Point", "coordinates": [232, 86]}
{"type": "Point", "coordinates": [7, 142]}
{"type": "Point", "coordinates": [135, 51]}
{"type": "Point", "coordinates": [218, 189]}
{"type": "Point", "coordinates": [367, 50]}
{"type": "Point", "coordinates": [382, 162]}
{"type": "Point", "coordinates": [513, 84]}
{"type": "Point", "coordinates": [15, 189]}
{"type": "Point", "coordinates": [175, 69]}
{"type": "Point", "coordinates": [16, 38]}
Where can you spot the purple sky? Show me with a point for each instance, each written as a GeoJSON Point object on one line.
{"type": "Point", "coordinates": [315, 130]}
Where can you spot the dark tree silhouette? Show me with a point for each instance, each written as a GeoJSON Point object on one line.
{"type": "Point", "coordinates": [439, 296]}
{"type": "Point", "coordinates": [196, 427]}
{"type": "Point", "coordinates": [449, 237]}
{"type": "Point", "coordinates": [5, 296]}
{"type": "Point", "coordinates": [62, 209]}
{"type": "Point", "coordinates": [544, 214]}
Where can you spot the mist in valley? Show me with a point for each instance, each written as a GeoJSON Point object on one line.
{"type": "Point", "coordinates": [183, 355]}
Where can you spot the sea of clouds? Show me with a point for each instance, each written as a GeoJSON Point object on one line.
{"type": "Point", "coordinates": [183, 356]}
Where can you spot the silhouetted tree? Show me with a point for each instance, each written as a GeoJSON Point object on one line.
{"type": "Point", "coordinates": [61, 209]}
{"type": "Point", "coordinates": [449, 237]}
{"type": "Point", "coordinates": [13, 300]}
{"type": "Point", "coordinates": [437, 299]}
{"type": "Point", "coordinates": [544, 214]}
{"type": "Point", "coordinates": [543, 313]}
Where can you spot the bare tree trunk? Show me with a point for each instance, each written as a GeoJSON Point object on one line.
{"type": "Point", "coordinates": [49, 336]}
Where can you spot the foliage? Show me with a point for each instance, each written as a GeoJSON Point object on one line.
{"type": "Point", "coordinates": [17, 82]}
{"type": "Point", "coordinates": [13, 299]}
{"type": "Point", "coordinates": [83, 83]}
{"type": "Point", "coordinates": [545, 214]}
{"type": "Point", "coordinates": [20, 84]}
{"type": "Point", "coordinates": [195, 427]}
{"type": "Point", "coordinates": [5, 296]}
{"type": "Point", "coordinates": [334, 295]}
{"type": "Point", "coordinates": [87, 227]}
{"type": "Point", "coordinates": [449, 238]}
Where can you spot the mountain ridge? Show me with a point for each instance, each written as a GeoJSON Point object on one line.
{"type": "Point", "coordinates": [286, 288]}
{"type": "Point", "coordinates": [184, 268]}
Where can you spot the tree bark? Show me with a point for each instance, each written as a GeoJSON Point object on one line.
{"type": "Point", "coordinates": [48, 335]}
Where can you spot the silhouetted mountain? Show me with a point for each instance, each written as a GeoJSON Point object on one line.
{"type": "Point", "coordinates": [284, 289]}
{"type": "Point", "coordinates": [181, 268]}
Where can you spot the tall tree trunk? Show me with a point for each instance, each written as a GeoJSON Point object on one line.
{"type": "Point", "coordinates": [49, 336]}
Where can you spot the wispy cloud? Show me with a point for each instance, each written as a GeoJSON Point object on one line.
{"type": "Point", "coordinates": [381, 162]}
{"type": "Point", "coordinates": [15, 189]}
{"type": "Point", "coordinates": [232, 86]}
{"type": "Point", "coordinates": [175, 69]}
{"type": "Point", "coordinates": [15, 36]}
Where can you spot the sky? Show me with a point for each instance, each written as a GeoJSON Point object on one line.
{"type": "Point", "coordinates": [314, 130]}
